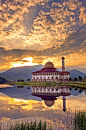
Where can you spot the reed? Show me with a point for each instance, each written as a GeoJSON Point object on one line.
{"type": "Point", "coordinates": [80, 120]}
{"type": "Point", "coordinates": [31, 126]}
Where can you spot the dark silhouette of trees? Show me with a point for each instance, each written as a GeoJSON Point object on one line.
{"type": "Point", "coordinates": [20, 80]}
{"type": "Point", "coordinates": [80, 90]}
{"type": "Point", "coordinates": [75, 79]}
{"type": "Point", "coordinates": [80, 78]}
{"type": "Point", "coordinates": [70, 79]}
{"type": "Point", "coordinates": [28, 79]}
{"type": "Point", "coordinates": [3, 80]}
{"type": "Point", "coordinates": [85, 77]}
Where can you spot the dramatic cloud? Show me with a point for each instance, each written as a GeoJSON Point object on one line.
{"type": "Point", "coordinates": [43, 30]}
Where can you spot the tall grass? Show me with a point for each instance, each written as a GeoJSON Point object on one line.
{"type": "Point", "coordinates": [80, 120]}
{"type": "Point", "coordinates": [30, 126]}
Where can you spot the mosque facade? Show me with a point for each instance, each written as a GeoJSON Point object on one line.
{"type": "Point", "coordinates": [50, 73]}
{"type": "Point", "coordinates": [50, 94]}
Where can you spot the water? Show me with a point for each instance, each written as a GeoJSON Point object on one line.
{"type": "Point", "coordinates": [55, 106]}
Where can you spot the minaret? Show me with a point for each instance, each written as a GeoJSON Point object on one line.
{"type": "Point", "coordinates": [64, 103]}
{"type": "Point", "coordinates": [63, 64]}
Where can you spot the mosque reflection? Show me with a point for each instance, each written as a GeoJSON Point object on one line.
{"type": "Point", "coordinates": [50, 94]}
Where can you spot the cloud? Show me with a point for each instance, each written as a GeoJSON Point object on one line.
{"type": "Point", "coordinates": [42, 30]}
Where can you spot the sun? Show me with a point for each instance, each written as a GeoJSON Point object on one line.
{"type": "Point", "coordinates": [24, 62]}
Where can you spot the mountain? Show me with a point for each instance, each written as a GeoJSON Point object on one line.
{"type": "Point", "coordinates": [75, 73]}
{"type": "Point", "coordinates": [20, 72]}
{"type": "Point", "coordinates": [25, 72]}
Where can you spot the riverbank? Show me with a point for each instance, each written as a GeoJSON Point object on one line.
{"type": "Point", "coordinates": [5, 86]}
{"type": "Point", "coordinates": [81, 85]}
{"type": "Point", "coordinates": [71, 84]}
{"type": "Point", "coordinates": [31, 83]}
{"type": "Point", "coordinates": [75, 84]}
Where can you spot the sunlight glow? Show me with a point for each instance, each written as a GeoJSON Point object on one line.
{"type": "Point", "coordinates": [24, 62]}
{"type": "Point", "coordinates": [20, 100]}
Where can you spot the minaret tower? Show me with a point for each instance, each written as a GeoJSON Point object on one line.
{"type": "Point", "coordinates": [64, 103]}
{"type": "Point", "coordinates": [63, 64]}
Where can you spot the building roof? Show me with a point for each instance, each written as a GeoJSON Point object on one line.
{"type": "Point", "coordinates": [49, 68]}
{"type": "Point", "coordinates": [46, 70]}
{"type": "Point", "coordinates": [49, 65]}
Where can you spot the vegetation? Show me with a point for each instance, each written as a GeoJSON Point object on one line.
{"type": "Point", "coordinates": [3, 80]}
{"type": "Point", "coordinates": [20, 80]}
{"type": "Point", "coordinates": [80, 120]}
{"type": "Point", "coordinates": [34, 83]}
{"type": "Point", "coordinates": [75, 84]}
{"type": "Point", "coordinates": [31, 126]}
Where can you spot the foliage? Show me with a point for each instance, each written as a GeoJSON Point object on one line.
{"type": "Point", "coordinates": [80, 120]}
{"type": "Point", "coordinates": [85, 77]}
{"type": "Point", "coordinates": [75, 79]}
{"type": "Point", "coordinates": [28, 79]}
{"type": "Point", "coordinates": [34, 83]}
{"type": "Point", "coordinates": [3, 80]}
{"type": "Point", "coordinates": [30, 126]}
{"type": "Point", "coordinates": [20, 80]}
{"type": "Point", "coordinates": [75, 84]}
{"type": "Point", "coordinates": [80, 78]}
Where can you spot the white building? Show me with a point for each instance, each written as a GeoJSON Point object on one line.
{"type": "Point", "coordinates": [50, 94]}
{"type": "Point", "coordinates": [49, 73]}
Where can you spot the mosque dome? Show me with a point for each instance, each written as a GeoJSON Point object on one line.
{"type": "Point", "coordinates": [49, 65]}
{"type": "Point", "coordinates": [49, 103]}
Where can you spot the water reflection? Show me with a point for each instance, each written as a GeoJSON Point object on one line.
{"type": "Point", "coordinates": [18, 102]}
{"type": "Point", "coordinates": [50, 94]}
{"type": "Point", "coordinates": [20, 87]}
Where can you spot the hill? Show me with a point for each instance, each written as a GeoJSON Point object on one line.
{"type": "Point", "coordinates": [25, 72]}
{"type": "Point", "coordinates": [76, 73]}
{"type": "Point", "coordinates": [20, 72]}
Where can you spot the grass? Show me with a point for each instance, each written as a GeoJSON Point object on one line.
{"type": "Point", "coordinates": [31, 126]}
{"type": "Point", "coordinates": [32, 83]}
{"type": "Point", "coordinates": [76, 122]}
{"type": "Point", "coordinates": [75, 84]}
{"type": "Point", "coordinates": [53, 83]}
{"type": "Point", "coordinates": [80, 120]}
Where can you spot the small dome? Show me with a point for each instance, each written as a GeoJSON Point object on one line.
{"type": "Point", "coordinates": [49, 103]}
{"type": "Point", "coordinates": [49, 65]}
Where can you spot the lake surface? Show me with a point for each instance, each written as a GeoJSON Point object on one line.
{"type": "Point", "coordinates": [21, 102]}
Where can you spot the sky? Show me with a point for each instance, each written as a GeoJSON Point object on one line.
{"type": "Point", "coordinates": [33, 32]}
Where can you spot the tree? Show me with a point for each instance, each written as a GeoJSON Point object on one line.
{"type": "Point", "coordinates": [3, 80]}
{"type": "Point", "coordinates": [80, 78]}
{"type": "Point", "coordinates": [20, 80]}
{"type": "Point", "coordinates": [70, 79]}
{"type": "Point", "coordinates": [28, 79]}
{"type": "Point", "coordinates": [85, 77]}
{"type": "Point", "coordinates": [75, 79]}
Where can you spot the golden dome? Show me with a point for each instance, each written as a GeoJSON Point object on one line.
{"type": "Point", "coordinates": [49, 65]}
{"type": "Point", "coordinates": [49, 103]}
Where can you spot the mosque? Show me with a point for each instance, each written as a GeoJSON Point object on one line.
{"type": "Point", "coordinates": [50, 94]}
{"type": "Point", "coordinates": [49, 73]}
